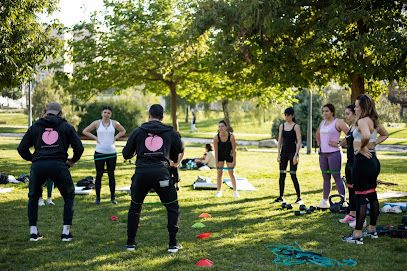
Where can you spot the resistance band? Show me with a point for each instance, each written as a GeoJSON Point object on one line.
{"type": "Point", "coordinates": [101, 158]}
{"type": "Point", "coordinates": [226, 168]}
{"type": "Point", "coordinates": [285, 171]}
{"type": "Point", "coordinates": [331, 171]}
{"type": "Point", "coordinates": [289, 255]}
{"type": "Point", "coordinates": [99, 154]}
{"type": "Point", "coordinates": [164, 203]}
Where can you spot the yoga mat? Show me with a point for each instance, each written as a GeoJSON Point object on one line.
{"type": "Point", "coordinates": [241, 183]}
{"type": "Point", "coordinates": [391, 194]}
{"type": "Point", "coordinates": [401, 204]}
{"type": "Point", "coordinates": [205, 185]}
{"type": "Point", "coordinates": [79, 190]}
{"type": "Point", "coordinates": [124, 189]}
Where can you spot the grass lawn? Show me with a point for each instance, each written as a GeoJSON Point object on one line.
{"type": "Point", "coordinates": [14, 119]}
{"type": "Point", "coordinates": [241, 228]}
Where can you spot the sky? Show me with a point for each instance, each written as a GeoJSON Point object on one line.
{"type": "Point", "coordinates": [73, 11]}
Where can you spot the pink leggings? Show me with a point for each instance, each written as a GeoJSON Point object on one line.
{"type": "Point", "coordinates": [332, 162]}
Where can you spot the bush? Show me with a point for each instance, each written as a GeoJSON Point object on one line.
{"type": "Point", "coordinates": [388, 111]}
{"type": "Point", "coordinates": [129, 112]}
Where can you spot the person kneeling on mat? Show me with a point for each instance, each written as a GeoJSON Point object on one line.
{"type": "Point", "coordinates": [152, 142]}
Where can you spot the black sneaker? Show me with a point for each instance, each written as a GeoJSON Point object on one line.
{"type": "Point", "coordinates": [371, 234]}
{"type": "Point", "coordinates": [113, 201]}
{"type": "Point", "coordinates": [174, 248]}
{"type": "Point", "coordinates": [35, 237]}
{"type": "Point", "coordinates": [279, 199]}
{"type": "Point", "coordinates": [66, 237]}
{"type": "Point", "coordinates": [353, 239]}
{"type": "Point", "coordinates": [131, 245]}
{"type": "Point", "coordinates": [97, 201]}
{"type": "Point", "coordinates": [299, 201]}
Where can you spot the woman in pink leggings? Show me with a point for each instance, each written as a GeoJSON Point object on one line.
{"type": "Point", "coordinates": [330, 159]}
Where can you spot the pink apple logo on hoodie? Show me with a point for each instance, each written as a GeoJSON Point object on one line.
{"type": "Point", "coordinates": [153, 142]}
{"type": "Point", "coordinates": [50, 136]}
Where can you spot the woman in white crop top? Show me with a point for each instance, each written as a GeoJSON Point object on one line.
{"type": "Point", "coordinates": [105, 151]}
{"type": "Point", "coordinates": [366, 167]}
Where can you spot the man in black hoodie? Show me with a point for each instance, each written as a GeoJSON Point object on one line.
{"type": "Point", "coordinates": [51, 137]}
{"type": "Point", "coordinates": [152, 142]}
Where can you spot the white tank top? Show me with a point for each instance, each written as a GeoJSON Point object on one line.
{"type": "Point", "coordinates": [105, 137]}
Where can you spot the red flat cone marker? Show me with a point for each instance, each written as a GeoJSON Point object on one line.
{"type": "Point", "coordinates": [204, 262]}
{"type": "Point", "coordinates": [114, 218]}
{"type": "Point", "coordinates": [205, 215]}
{"type": "Point", "coordinates": [204, 235]}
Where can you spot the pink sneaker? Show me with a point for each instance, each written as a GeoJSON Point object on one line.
{"type": "Point", "coordinates": [348, 218]}
{"type": "Point", "coordinates": [353, 224]}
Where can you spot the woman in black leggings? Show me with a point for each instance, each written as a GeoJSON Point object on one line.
{"type": "Point", "coordinates": [366, 167]}
{"type": "Point", "coordinates": [289, 144]}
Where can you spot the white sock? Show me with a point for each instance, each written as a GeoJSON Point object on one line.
{"type": "Point", "coordinates": [66, 229]}
{"type": "Point", "coordinates": [33, 230]}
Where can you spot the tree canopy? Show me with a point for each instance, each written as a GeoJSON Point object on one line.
{"type": "Point", "coordinates": [305, 43]}
{"type": "Point", "coordinates": [24, 42]}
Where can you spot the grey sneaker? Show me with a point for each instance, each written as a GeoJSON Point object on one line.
{"type": "Point", "coordinates": [371, 234]}
{"type": "Point", "coordinates": [97, 201]}
{"type": "Point", "coordinates": [66, 237]}
{"type": "Point", "coordinates": [113, 201]}
{"type": "Point", "coordinates": [353, 239]}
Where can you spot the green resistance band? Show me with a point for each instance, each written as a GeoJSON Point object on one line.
{"type": "Point", "coordinates": [164, 203]}
{"type": "Point", "coordinates": [101, 158]}
{"type": "Point", "coordinates": [226, 168]}
{"type": "Point", "coordinates": [331, 171]}
{"type": "Point", "coordinates": [99, 154]}
{"type": "Point", "coordinates": [285, 171]}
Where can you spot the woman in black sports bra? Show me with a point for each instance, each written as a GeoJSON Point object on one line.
{"type": "Point", "coordinates": [289, 134]}
{"type": "Point", "coordinates": [225, 150]}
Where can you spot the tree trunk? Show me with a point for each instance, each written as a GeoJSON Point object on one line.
{"type": "Point", "coordinates": [173, 88]}
{"type": "Point", "coordinates": [186, 113]}
{"type": "Point", "coordinates": [225, 107]}
{"type": "Point", "coordinates": [357, 85]}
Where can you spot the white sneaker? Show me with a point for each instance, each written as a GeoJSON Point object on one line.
{"type": "Point", "coordinates": [49, 201]}
{"type": "Point", "coordinates": [236, 194]}
{"type": "Point", "coordinates": [41, 202]}
{"type": "Point", "coordinates": [353, 224]}
{"type": "Point", "coordinates": [323, 204]}
{"type": "Point", "coordinates": [218, 194]}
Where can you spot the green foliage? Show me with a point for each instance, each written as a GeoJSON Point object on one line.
{"type": "Point", "coordinates": [130, 112]}
{"type": "Point", "coordinates": [387, 111]}
{"type": "Point", "coordinates": [306, 43]}
{"type": "Point", "coordinates": [25, 43]}
{"type": "Point", "coordinates": [46, 91]}
{"type": "Point", "coordinates": [301, 112]}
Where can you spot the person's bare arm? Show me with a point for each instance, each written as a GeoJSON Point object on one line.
{"type": "Point", "coordinates": [280, 142]}
{"type": "Point", "coordinates": [93, 126]}
{"type": "Point", "coordinates": [120, 128]}
{"type": "Point", "coordinates": [383, 134]}
{"type": "Point", "coordinates": [297, 130]}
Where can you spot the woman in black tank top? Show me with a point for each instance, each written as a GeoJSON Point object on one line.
{"type": "Point", "coordinates": [350, 116]}
{"type": "Point", "coordinates": [225, 150]}
{"type": "Point", "coordinates": [289, 144]}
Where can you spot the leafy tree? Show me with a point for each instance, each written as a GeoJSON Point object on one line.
{"type": "Point", "coordinates": [140, 42]}
{"type": "Point", "coordinates": [305, 43]}
{"type": "Point", "coordinates": [46, 91]}
{"type": "Point", "coordinates": [24, 42]}
{"type": "Point", "coordinates": [387, 111]}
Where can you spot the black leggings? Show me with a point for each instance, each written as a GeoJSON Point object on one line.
{"type": "Point", "coordinates": [351, 190]}
{"type": "Point", "coordinates": [361, 208]}
{"type": "Point", "coordinates": [285, 157]}
{"type": "Point", "coordinates": [100, 169]}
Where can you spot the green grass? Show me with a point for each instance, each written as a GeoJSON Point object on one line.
{"type": "Point", "coordinates": [16, 119]}
{"type": "Point", "coordinates": [241, 228]}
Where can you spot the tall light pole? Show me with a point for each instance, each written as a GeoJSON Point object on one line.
{"type": "Point", "coordinates": [309, 126]}
{"type": "Point", "coordinates": [30, 113]}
